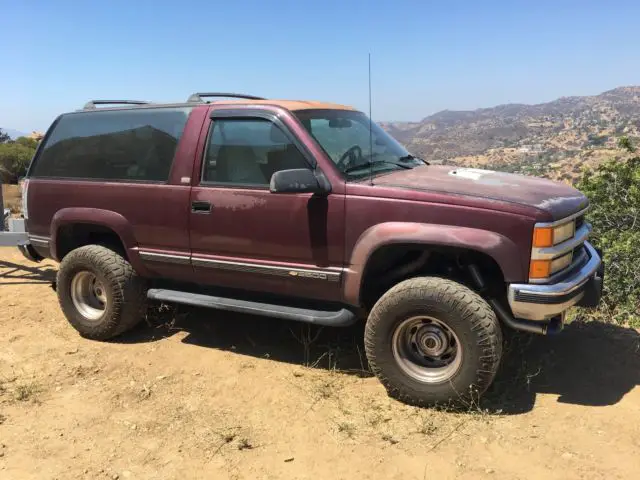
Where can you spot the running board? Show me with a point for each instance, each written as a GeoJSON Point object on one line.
{"type": "Point", "coordinates": [339, 318]}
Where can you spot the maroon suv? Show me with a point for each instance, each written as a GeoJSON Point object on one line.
{"type": "Point", "coordinates": [305, 211]}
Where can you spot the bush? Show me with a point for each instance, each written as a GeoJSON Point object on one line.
{"type": "Point", "coordinates": [614, 191]}
{"type": "Point", "coordinates": [15, 158]}
{"type": "Point", "coordinates": [625, 143]}
{"type": "Point", "coordinates": [597, 140]}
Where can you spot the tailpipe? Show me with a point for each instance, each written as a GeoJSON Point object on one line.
{"type": "Point", "coordinates": [554, 325]}
{"type": "Point", "coordinates": [522, 325]}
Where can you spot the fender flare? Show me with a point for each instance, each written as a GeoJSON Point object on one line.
{"type": "Point", "coordinates": [104, 218]}
{"type": "Point", "coordinates": [500, 248]}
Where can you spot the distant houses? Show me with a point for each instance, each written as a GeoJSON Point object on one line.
{"type": "Point", "coordinates": [37, 136]}
{"type": "Point", "coordinates": [537, 148]}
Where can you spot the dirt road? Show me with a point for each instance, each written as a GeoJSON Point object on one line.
{"type": "Point", "coordinates": [199, 394]}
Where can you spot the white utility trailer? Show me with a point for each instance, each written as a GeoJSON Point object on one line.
{"type": "Point", "coordinates": [16, 234]}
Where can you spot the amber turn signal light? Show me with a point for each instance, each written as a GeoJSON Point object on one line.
{"type": "Point", "coordinates": [543, 237]}
{"type": "Point", "coordinates": [540, 269]}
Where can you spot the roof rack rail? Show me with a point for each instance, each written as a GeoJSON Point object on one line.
{"type": "Point", "coordinates": [91, 104]}
{"type": "Point", "coordinates": [197, 97]}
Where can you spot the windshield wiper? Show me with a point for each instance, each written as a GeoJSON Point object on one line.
{"type": "Point", "coordinates": [353, 168]}
{"type": "Point", "coordinates": [408, 157]}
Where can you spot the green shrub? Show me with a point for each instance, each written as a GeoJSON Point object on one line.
{"type": "Point", "coordinates": [614, 191]}
{"type": "Point", "coordinates": [15, 158]}
{"type": "Point", "coordinates": [625, 143]}
{"type": "Point", "coordinates": [597, 140]}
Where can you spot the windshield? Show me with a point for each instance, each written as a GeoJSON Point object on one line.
{"type": "Point", "coordinates": [344, 136]}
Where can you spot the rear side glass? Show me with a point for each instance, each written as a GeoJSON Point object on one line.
{"type": "Point", "coordinates": [135, 145]}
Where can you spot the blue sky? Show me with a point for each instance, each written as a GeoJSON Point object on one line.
{"type": "Point", "coordinates": [426, 55]}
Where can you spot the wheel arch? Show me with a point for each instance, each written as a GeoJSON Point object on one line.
{"type": "Point", "coordinates": [75, 227]}
{"type": "Point", "coordinates": [491, 246]}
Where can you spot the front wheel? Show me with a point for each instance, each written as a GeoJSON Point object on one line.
{"type": "Point", "coordinates": [433, 341]}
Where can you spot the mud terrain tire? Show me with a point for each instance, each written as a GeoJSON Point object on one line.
{"type": "Point", "coordinates": [99, 292]}
{"type": "Point", "coordinates": [425, 314]}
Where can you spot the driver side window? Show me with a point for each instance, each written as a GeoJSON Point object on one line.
{"type": "Point", "coordinates": [247, 152]}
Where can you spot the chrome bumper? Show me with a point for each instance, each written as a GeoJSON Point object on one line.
{"type": "Point", "coordinates": [543, 302]}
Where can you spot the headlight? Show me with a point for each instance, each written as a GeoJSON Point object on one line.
{"type": "Point", "coordinates": [540, 269]}
{"type": "Point", "coordinates": [554, 245]}
{"type": "Point", "coordinates": [549, 236]}
{"type": "Point", "coordinates": [561, 263]}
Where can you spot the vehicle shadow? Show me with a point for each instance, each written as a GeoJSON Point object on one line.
{"type": "Point", "coordinates": [17, 274]}
{"type": "Point", "coordinates": [260, 337]}
{"type": "Point", "coordinates": [589, 363]}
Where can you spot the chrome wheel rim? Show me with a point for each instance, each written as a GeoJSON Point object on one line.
{"type": "Point", "coordinates": [427, 349]}
{"type": "Point", "coordinates": [88, 295]}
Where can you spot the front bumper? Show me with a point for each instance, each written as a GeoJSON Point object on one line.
{"type": "Point", "coordinates": [543, 302]}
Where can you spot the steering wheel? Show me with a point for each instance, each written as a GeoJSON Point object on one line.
{"type": "Point", "coordinates": [349, 157]}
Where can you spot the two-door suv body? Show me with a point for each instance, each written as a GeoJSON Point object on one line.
{"type": "Point", "coordinates": [305, 211]}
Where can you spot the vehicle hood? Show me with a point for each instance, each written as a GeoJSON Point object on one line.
{"type": "Point", "coordinates": [555, 198]}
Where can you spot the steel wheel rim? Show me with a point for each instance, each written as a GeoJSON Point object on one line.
{"type": "Point", "coordinates": [426, 349]}
{"type": "Point", "coordinates": [88, 295]}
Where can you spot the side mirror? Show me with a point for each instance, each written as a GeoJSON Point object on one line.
{"type": "Point", "coordinates": [298, 180]}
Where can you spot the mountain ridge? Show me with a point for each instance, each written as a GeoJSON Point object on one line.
{"type": "Point", "coordinates": [13, 133]}
{"type": "Point", "coordinates": [569, 98]}
{"type": "Point", "coordinates": [554, 139]}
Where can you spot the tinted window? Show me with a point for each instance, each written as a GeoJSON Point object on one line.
{"type": "Point", "coordinates": [248, 152]}
{"type": "Point", "coordinates": [356, 145]}
{"type": "Point", "coordinates": [113, 145]}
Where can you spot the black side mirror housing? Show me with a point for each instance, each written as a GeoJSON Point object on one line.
{"type": "Point", "coordinates": [299, 180]}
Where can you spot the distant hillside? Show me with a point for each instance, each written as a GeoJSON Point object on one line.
{"type": "Point", "coordinates": [553, 139]}
{"type": "Point", "coordinates": [12, 133]}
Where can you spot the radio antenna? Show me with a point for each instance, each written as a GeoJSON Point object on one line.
{"type": "Point", "coordinates": [370, 129]}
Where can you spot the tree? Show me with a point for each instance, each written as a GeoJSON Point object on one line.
{"type": "Point", "coordinates": [614, 191]}
{"type": "Point", "coordinates": [14, 160]}
{"type": "Point", "coordinates": [27, 142]}
{"type": "Point", "coordinates": [625, 143]}
{"type": "Point", "coordinates": [4, 137]}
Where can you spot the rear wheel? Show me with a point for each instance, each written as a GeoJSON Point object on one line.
{"type": "Point", "coordinates": [433, 341]}
{"type": "Point", "coordinates": [99, 292]}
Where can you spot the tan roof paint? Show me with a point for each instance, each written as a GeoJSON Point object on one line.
{"type": "Point", "coordinates": [288, 104]}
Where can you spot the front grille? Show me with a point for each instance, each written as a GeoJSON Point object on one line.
{"type": "Point", "coordinates": [579, 255]}
{"type": "Point", "coordinates": [577, 252]}
{"type": "Point", "coordinates": [580, 258]}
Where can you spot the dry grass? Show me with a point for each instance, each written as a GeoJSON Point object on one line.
{"type": "Point", "coordinates": [27, 392]}
{"type": "Point", "coordinates": [348, 428]}
{"type": "Point", "coordinates": [245, 444]}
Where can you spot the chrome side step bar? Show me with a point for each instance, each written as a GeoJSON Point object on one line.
{"type": "Point", "coordinates": [339, 318]}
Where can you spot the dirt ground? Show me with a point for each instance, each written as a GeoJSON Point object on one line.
{"type": "Point", "coordinates": [199, 394]}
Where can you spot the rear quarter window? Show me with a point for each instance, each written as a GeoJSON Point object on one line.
{"type": "Point", "coordinates": [134, 145]}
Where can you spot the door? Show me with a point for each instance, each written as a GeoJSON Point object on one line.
{"type": "Point", "coordinates": [244, 236]}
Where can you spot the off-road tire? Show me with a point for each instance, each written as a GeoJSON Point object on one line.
{"type": "Point", "coordinates": [461, 310]}
{"type": "Point", "coordinates": [125, 291]}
